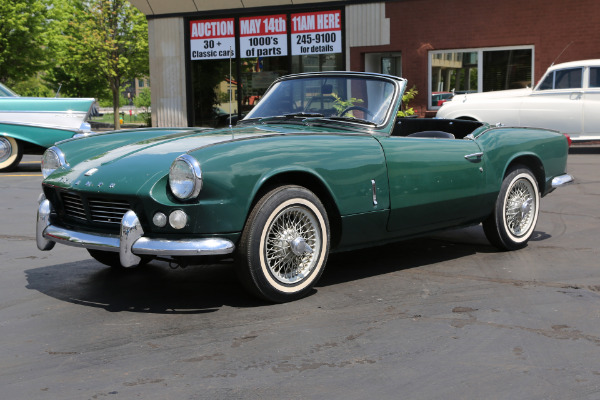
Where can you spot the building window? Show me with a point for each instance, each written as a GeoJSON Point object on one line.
{"type": "Point", "coordinates": [247, 53]}
{"type": "Point", "coordinates": [478, 70]}
{"type": "Point", "coordinates": [384, 63]}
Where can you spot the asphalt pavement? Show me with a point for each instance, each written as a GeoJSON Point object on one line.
{"type": "Point", "coordinates": [442, 317]}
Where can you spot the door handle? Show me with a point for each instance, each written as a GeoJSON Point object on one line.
{"type": "Point", "coordinates": [576, 95]}
{"type": "Point", "coordinates": [475, 157]}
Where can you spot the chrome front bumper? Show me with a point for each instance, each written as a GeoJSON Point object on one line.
{"type": "Point", "coordinates": [130, 243]}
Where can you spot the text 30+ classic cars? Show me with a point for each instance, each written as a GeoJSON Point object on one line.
{"type": "Point", "coordinates": [320, 164]}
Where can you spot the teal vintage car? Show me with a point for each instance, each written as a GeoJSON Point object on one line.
{"type": "Point", "coordinates": [29, 125]}
{"type": "Point", "coordinates": [321, 164]}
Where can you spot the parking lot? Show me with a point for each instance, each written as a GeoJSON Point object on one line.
{"type": "Point", "coordinates": [442, 317]}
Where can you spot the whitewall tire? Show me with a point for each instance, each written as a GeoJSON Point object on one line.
{"type": "Point", "coordinates": [284, 246]}
{"type": "Point", "coordinates": [513, 221]}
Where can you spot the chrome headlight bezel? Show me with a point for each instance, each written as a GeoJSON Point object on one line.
{"type": "Point", "coordinates": [185, 177]}
{"type": "Point", "coordinates": [52, 159]}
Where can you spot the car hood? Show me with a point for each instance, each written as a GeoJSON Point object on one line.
{"type": "Point", "coordinates": [499, 94]}
{"type": "Point", "coordinates": [122, 161]}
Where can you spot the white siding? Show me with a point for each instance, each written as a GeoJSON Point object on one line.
{"type": "Point", "coordinates": [366, 25]}
{"type": "Point", "coordinates": [167, 72]}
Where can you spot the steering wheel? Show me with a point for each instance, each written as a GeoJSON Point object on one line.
{"type": "Point", "coordinates": [358, 108]}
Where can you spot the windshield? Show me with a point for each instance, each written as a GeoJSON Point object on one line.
{"type": "Point", "coordinates": [338, 97]}
{"type": "Point", "coordinates": [6, 92]}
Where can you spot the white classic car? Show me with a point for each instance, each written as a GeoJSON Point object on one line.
{"type": "Point", "coordinates": [566, 99]}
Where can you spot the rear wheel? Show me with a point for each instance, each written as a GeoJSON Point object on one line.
{"type": "Point", "coordinates": [284, 245]}
{"type": "Point", "coordinates": [513, 221]}
{"type": "Point", "coordinates": [11, 152]}
{"type": "Point", "coordinates": [112, 259]}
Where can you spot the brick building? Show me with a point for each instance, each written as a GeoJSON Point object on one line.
{"type": "Point", "coordinates": [440, 46]}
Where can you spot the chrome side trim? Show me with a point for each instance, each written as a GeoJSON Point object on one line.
{"type": "Point", "coordinates": [374, 191]}
{"type": "Point", "coordinates": [562, 180]}
{"type": "Point", "coordinates": [39, 125]}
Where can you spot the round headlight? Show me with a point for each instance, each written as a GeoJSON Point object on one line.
{"type": "Point", "coordinates": [185, 177]}
{"type": "Point", "coordinates": [52, 159]}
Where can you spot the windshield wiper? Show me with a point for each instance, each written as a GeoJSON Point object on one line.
{"type": "Point", "coordinates": [351, 119]}
{"type": "Point", "coordinates": [295, 118]}
{"type": "Point", "coordinates": [303, 115]}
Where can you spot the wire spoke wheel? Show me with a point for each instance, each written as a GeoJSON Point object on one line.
{"type": "Point", "coordinates": [520, 207]}
{"type": "Point", "coordinates": [293, 241]}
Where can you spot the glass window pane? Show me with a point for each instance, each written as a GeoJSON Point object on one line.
{"type": "Point", "coordinates": [506, 69]}
{"type": "Point", "coordinates": [595, 77]}
{"type": "Point", "coordinates": [568, 78]}
{"type": "Point", "coordinates": [454, 71]}
{"type": "Point", "coordinates": [547, 83]}
{"type": "Point", "coordinates": [328, 96]}
{"type": "Point", "coordinates": [210, 93]}
{"type": "Point", "coordinates": [317, 63]}
{"type": "Point", "coordinates": [257, 76]}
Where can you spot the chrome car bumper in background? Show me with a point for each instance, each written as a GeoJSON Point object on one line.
{"type": "Point", "coordinates": [130, 243]}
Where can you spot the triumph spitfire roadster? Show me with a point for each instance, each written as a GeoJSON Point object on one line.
{"type": "Point", "coordinates": [321, 164]}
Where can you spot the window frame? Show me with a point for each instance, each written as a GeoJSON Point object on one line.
{"type": "Point", "coordinates": [479, 51]}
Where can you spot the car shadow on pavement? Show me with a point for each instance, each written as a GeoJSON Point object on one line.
{"type": "Point", "coordinates": [154, 288]}
{"type": "Point", "coordinates": [393, 257]}
{"type": "Point", "coordinates": [28, 166]}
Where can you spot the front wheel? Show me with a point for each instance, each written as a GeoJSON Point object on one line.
{"type": "Point", "coordinates": [516, 212]}
{"type": "Point", "coordinates": [284, 245]}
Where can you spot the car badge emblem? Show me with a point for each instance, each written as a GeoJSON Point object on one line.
{"type": "Point", "coordinates": [91, 172]}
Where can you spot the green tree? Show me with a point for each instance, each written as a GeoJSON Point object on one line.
{"type": "Point", "coordinates": [143, 101]}
{"type": "Point", "coordinates": [115, 40]}
{"type": "Point", "coordinates": [71, 68]}
{"type": "Point", "coordinates": [98, 46]}
{"type": "Point", "coordinates": [24, 38]}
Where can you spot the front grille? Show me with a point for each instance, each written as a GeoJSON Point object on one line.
{"type": "Point", "coordinates": [109, 211]}
{"type": "Point", "coordinates": [94, 209]}
{"type": "Point", "coordinates": [73, 206]}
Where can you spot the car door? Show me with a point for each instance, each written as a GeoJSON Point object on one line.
{"type": "Point", "coordinates": [434, 183]}
{"type": "Point", "coordinates": [591, 104]}
{"type": "Point", "coordinates": [557, 103]}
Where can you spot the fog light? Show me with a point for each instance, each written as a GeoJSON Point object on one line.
{"type": "Point", "coordinates": [159, 219]}
{"type": "Point", "coordinates": [178, 219]}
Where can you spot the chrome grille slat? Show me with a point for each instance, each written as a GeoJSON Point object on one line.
{"type": "Point", "coordinates": [73, 206]}
{"type": "Point", "coordinates": [108, 211]}
{"type": "Point", "coordinates": [100, 210]}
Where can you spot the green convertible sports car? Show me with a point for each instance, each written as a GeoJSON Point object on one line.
{"type": "Point", "coordinates": [321, 164]}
